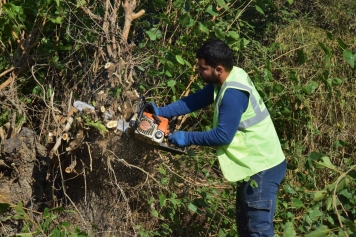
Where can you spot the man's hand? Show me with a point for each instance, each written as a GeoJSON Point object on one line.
{"type": "Point", "coordinates": [152, 108]}
{"type": "Point", "coordinates": [178, 139]}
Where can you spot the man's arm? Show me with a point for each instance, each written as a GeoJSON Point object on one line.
{"type": "Point", "coordinates": [233, 104]}
{"type": "Point", "coordinates": [193, 102]}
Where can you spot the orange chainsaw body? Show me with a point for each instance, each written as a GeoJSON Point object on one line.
{"type": "Point", "coordinates": [162, 126]}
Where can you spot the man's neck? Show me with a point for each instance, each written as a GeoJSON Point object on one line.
{"type": "Point", "coordinates": [224, 75]}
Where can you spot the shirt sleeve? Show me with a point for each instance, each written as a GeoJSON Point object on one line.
{"type": "Point", "coordinates": [232, 106]}
{"type": "Point", "coordinates": [191, 103]}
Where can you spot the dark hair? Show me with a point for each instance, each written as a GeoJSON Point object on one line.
{"type": "Point", "coordinates": [216, 53]}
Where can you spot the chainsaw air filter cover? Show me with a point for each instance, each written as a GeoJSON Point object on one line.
{"type": "Point", "coordinates": [148, 129]}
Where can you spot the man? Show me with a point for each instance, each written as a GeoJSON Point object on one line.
{"type": "Point", "coordinates": [246, 141]}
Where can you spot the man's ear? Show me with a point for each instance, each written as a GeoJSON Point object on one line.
{"type": "Point", "coordinates": [219, 69]}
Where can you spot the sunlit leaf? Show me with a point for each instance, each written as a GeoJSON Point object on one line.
{"type": "Point", "coordinates": [222, 4]}
{"type": "Point", "coordinates": [171, 83]}
{"type": "Point", "coordinates": [192, 207]}
{"type": "Point", "coordinates": [322, 231]}
{"type": "Point", "coordinates": [259, 9]}
{"type": "Point", "coordinates": [324, 163]}
{"type": "Point", "coordinates": [203, 28]}
{"type": "Point", "coordinates": [180, 59]}
{"type": "Point", "coordinates": [212, 11]}
{"type": "Point", "coordinates": [311, 87]}
{"type": "Point", "coordinates": [154, 213]}
{"type": "Point", "coordinates": [289, 230]}
{"type": "Point", "coordinates": [162, 200]}
{"type": "Point", "coordinates": [336, 81]}
{"type": "Point", "coordinates": [349, 57]}
{"type": "Point", "coordinates": [319, 195]}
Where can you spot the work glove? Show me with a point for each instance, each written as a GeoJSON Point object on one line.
{"type": "Point", "coordinates": [152, 108]}
{"type": "Point", "coordinates": [178, 139]}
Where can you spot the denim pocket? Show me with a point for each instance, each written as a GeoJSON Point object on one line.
{"type": "Point", "coordinates": [259, 215]}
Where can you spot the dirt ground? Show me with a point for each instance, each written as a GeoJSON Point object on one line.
{"type": "Point", "coordinates": [105, 187]}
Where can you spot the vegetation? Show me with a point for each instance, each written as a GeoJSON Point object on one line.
{"type": "Point", "coordinates": [300, 55]}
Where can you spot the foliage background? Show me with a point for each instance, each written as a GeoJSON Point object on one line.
{"type": "Point", "coordinates": [300, 54]}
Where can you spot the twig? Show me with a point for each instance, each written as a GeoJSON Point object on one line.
{"type": "Point", "coordinates": [7, 71]}
{"type": "Point", "coordinates": [335, 199]}
{"type": "Point", "coordinates": [65, 192]}
{"type": "Point", "coordinates": [238, 16]}
{"type": "Point", "coordinates": [91, 160]}
{"type": "Point", "coordinates": [12, 103]}
{"type": "Point", "coordinates": [85, 182]}
{"type": "Point", "coordinates": [70, 102]}
{"type": "Point", "coordinates": [290, 51]}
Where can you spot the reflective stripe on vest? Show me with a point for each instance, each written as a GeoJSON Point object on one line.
{"type": "Point", "coordinates": [260, 114]}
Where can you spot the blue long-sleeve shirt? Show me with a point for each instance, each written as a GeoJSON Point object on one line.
{"type": "Point", "coordinates": [233, 104]}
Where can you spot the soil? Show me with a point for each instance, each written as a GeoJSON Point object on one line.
{"type": "Point", "coordinates": [106, 188]}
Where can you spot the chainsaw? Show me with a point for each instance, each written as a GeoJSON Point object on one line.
{"type": "Point", "coordinates": [146, 125]}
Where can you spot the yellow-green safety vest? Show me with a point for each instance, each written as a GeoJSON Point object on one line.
{"type": "Point", "coordinates": [256, 146]}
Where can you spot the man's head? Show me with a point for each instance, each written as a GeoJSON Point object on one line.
{"type": "Point", "coordinates": [215, 60]}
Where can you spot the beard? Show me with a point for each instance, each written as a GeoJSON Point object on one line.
{"type": "Point", "coordinates": [213, 78]}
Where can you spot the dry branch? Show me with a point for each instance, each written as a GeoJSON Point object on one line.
{"type": "Point", "coordinates": [129, 7]}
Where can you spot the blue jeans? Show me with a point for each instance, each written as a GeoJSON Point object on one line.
{"type": "Point", "coordinates": [255, 206]}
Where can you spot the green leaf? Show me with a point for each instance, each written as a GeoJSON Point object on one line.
{"type": "Point", "coordinates": [302, 57]}
{"type": "Point", "coordinates": [154, 34]}
{"type": "Point", "coordinates": [192, 207]}
{"type": "Point", "coordinates": [168, 73]}
{"type": "Point", "coordinates": [154, 213]}
{"type": "Point", "coordinates": [19, 209]}
{"type": "Point", "coordinates": [233, 34]}
{"type": "Point", "coordinates": [171, 83]}
{"type": "Point", "coordinates": [311, 87]}
{"type": "Point", "coordinates": [99, 126]}
{"type": "Point", "coordinates": [319, 195]}
{"type": "Point", "coordinates": [243, 43]}
{"type": "Point", "coordinates": [289, 230]}
{"type": "Point", "coordinates": [212, 11]}
{"type": "Point", "coordinates": [346, 194]}
{"type": "Point", "coordinates": [336, 81]}
{"type": "Point", "coordinates": [57, 2]}
{"type": "Point", "coordinates": [65, 224]}
{"type": "Point", "coordinates": [57, 20]}
{"type": "Point", "coordinates": [162, 171]}
{"type": "Point", "coordinates": [324, 48]}
{"type": "Point", "coordinates": [322, 231]}
{"type": "Point", "coordinates": [185, 20]}
{"type": "Point", "coordinates": [324, 163]}
{"type": "Point", "coordinates": [222, 3]}
{"type": "Point", "coordinates": [286, 112]}
{"type": "Point", "coordinates": [349, 57]}
{"type": "Point", "coordinates": [164, 181]}
{"type": "Point", "coordinates": [254, 184]}
{"type": "Point", "coordinates": [290, 2]}
{"type": "Point", "coordinates": [297, 203]}
{"type": "Point", "coordinates": [259, 9]}
{"type": "Point", "coordinates": [203, 28]}
{"type": "Point", "coordinates": [180, 59]}
{"type": "Point", "coordinates": [151, 35]}
{"type": "Point", "coordinates": [162, 200]}
{"type": "Point", "coordinates": [342, 44]}
{"type": "Point", "coordinates": [219, 33]}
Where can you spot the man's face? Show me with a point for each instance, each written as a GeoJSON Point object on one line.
{"type": "Point", "coordinates": [208, 73]}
